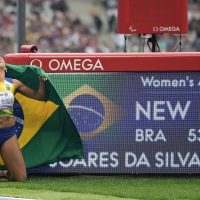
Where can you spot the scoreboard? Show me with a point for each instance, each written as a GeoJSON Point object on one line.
{"type": "Point", "coordinates": [152, 16]}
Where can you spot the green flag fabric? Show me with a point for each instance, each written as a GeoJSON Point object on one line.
{"type": "Point", "coordinates": [48, 133]}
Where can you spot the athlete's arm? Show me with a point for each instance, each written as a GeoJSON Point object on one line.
{"type": "Point", "coordinates": [28, 92]}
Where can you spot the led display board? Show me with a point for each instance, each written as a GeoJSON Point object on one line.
{"type": "Point", "coordinates": [143, 118]}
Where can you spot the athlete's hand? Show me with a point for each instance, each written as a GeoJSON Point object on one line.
{"type": "Point", "coordinates": [42, 78]}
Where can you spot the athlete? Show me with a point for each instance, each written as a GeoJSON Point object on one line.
{"type": "Point", "coordinates": [9, 147]}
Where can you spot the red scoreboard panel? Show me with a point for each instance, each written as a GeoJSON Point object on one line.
{"type": "Point", "coordinates": [152, 16]}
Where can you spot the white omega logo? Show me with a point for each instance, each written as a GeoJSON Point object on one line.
{"type": "Point", "coordinates": [155, 28]}
{"type": "Point", "coordinates": [37, 61]}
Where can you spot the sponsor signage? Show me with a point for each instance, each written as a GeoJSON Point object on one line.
{"type": "Point", "coordinates": [73, 65]}
{"type": "Point", "coordinates": [108, 62]}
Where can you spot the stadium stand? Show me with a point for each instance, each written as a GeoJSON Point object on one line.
{"type": "Point", "coordinates": [74, 26]}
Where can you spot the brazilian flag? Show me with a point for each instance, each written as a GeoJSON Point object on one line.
{"type": "Point", "coordinates": [45, 131]}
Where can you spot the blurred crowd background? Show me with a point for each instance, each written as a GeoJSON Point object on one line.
{"type": "Point", "coordinates": [83, 26]}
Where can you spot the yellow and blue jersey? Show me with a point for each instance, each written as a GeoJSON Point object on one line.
{"type": "Point", "coordinates": [7, 91]}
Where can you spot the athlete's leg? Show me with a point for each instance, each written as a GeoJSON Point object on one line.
{"type": "Point", "coordinates": [13, 159]}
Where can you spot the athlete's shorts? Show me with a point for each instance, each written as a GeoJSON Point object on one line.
{"type": "Point", "coordinates": [6, 133]}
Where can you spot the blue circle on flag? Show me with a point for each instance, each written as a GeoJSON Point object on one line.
{"type": "Point", "coordinates": [87, 112]}
{"type": "Point", "coordinates": [19, 118]}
